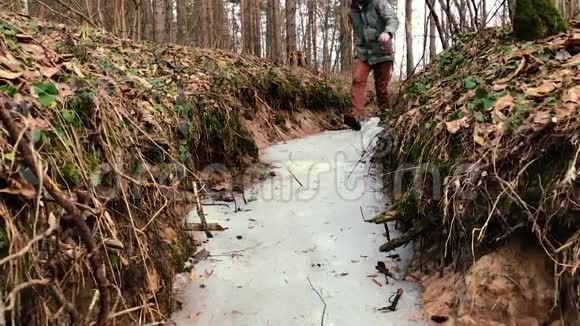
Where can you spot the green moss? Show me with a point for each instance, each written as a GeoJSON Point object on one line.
{"type": "Point", "coordinates": [71, 175]}
{"type": "Point", "coordinates": [534, 19]}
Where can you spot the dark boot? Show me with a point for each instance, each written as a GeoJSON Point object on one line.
{"type": "Point", "coordinates": [351, 122]}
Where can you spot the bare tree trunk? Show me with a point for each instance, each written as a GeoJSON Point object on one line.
{"type": "Point", "coordinates": [181, 22]}
{"type": "Point", "coordinates": [305, 29]}
{"type": "Point", "coordinates": [313, 32]}
{"type": "Point", "coordinates": [409, 36]}
{"type": "Point", "coordinates": [218, 28]}
{"type": "Point", "coordinates": [290, 26]}
{"type": "Point", "coordinates": [432, 39]}
{"type": "Point", "coordinates": [257, 15]}
{"type": "Point", "coordinates": [168, 20]}
{"type": "Point", "coordinates": [425, 35]}
{"type": "Point", "coordinates": [159, 20]}
{"type": "Point", "coordinates": [325, 36]}
{"type": "Point", "coordinates": [452, 24]}
{"type": "Point", "coordinates": [204, 24]}
{"type": "Point", "coordinates": [146, 20]}
{"type": "Point", "coordinates": [483, 13]}
{"type": "Point", "coordinates": [235, 29]}
{"type": "Point", "coordinates": [462, 17]}
{"type": "Point", "coordinates": [273, 31]}
{"type": "Point", "coordinates": [332, 47]}
{"type": "Point", "coordinates": [123, 20]}
{"type": "Point", "coordinates": [431, 5]}
{"type": "Point", "coordinates": [251, 27]}
{"type": "Point", "coordinates": [345, 37]}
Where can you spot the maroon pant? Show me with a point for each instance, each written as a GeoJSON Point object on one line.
{"type": "Point", "coordinates": [360, 74]}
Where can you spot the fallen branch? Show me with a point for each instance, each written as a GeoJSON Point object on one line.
{"type": "Point", "coordinates": [200, 212]}
{"type": "Point", "coordinates": [201, 227]}
{"type": "Point", "coordinates": [74, 214]}
{"type": "Point", "coordinates": [321, 299]}
{"type": "Point", "coordinates": [404, 239]}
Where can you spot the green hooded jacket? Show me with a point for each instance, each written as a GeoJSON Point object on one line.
{"type": "Point", "coordinates": [371, 18]}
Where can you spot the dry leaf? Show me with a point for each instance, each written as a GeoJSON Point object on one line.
{"type": "Point", "coordinates": [17, 185]}
{"type": "Point", "coordinates": [9, 75]}
{"type": "Point", "coordinates": [481, 131]}
{"type": "Point", "coordinates": [154, 281]}
{"type": "Point", "coordinates": [514, 74]}
{"type": "Point", "coordinates": [455, 125]}
{"type": "Point", "coordinates": [573, 61]}
{"type": "Point", "coordinates": [466, 97]}
{"type": "Point", "coordinates": [196, 316]}
{"type": "Point", "coordinates": [564, 112]}
{"type": "Point", "coordinates": [48, 72]}
{"type": "Point", "coordinates": [10, 62]}
{"type": "Point", "coordinates": [114, 243]}
{"type": "Point", "coordinates": [542, 117]}
{"type": "Point", "coordinates": [572, 95]}
{"type": "Point", "coordinates": [168, 235]}
{"type": "Point", "coordinates": [193, 275]}
{"type": "Point", "coordinates": [52, 220]}
{"type": "Point", "coordinates": [545, 88]}
{"type": "Point", "coordinates": [35, 50]}
{"type": "Point", "coordinates": [74, 67]}
{"type": "Point", "coordinates": [499, 87]}
{"type": "Point", "coordinates": [504, 102]}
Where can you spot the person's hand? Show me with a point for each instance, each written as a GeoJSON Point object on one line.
{"type": "Point", "coordinates": [384, 40]}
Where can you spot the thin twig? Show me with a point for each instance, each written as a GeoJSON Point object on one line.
{"type": "Point", "coordinates": [363, 154]}
{"type": "Point", "coordinates": [228, 253]}
{"type": "Point", "coordinates": [321, 299]}
{"type": "Point", "coordinates": [12, 295]}
{"type": "Point", "coordinates": [24, 250]}
{"type": "Point", "coordinates": [126, 311]}
{"type": "Point", "coordinates": [295, 178]}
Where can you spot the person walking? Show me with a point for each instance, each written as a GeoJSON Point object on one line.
{"type": "Point", "coordinates": [374, 24]}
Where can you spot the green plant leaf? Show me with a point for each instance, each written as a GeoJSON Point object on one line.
{"type": "Point", "coordinates": [8, 90]}
{"type": "Point", "coordinates": [488, 102]}
{"type": "Point", "coordinates": [69, 116]}
{"type": "Point", "coordinates": [470, 83]}
{"type": "Point", "coordinates": [480, 117]}
{"type": "Point", "coordinates": [45, 92]}
{"type": "Point", "coordinates": [481, 92]}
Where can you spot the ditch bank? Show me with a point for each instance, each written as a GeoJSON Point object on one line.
{"type": "Point", "coordinates": [115, 131]}
{"type": "Point", "coordinates": [483, 156]}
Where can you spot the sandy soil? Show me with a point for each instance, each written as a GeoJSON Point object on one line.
{"type": "Point", "coordinates": [511, 286]}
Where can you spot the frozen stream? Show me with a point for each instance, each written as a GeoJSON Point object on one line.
{"type": "Point", "coordinates": [292, 234]}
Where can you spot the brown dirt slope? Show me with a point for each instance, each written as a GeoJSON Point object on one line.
{"type": "Point", "coordinates": [114, 130]}
{"type": "Point", "coordinates": [486, 146]}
